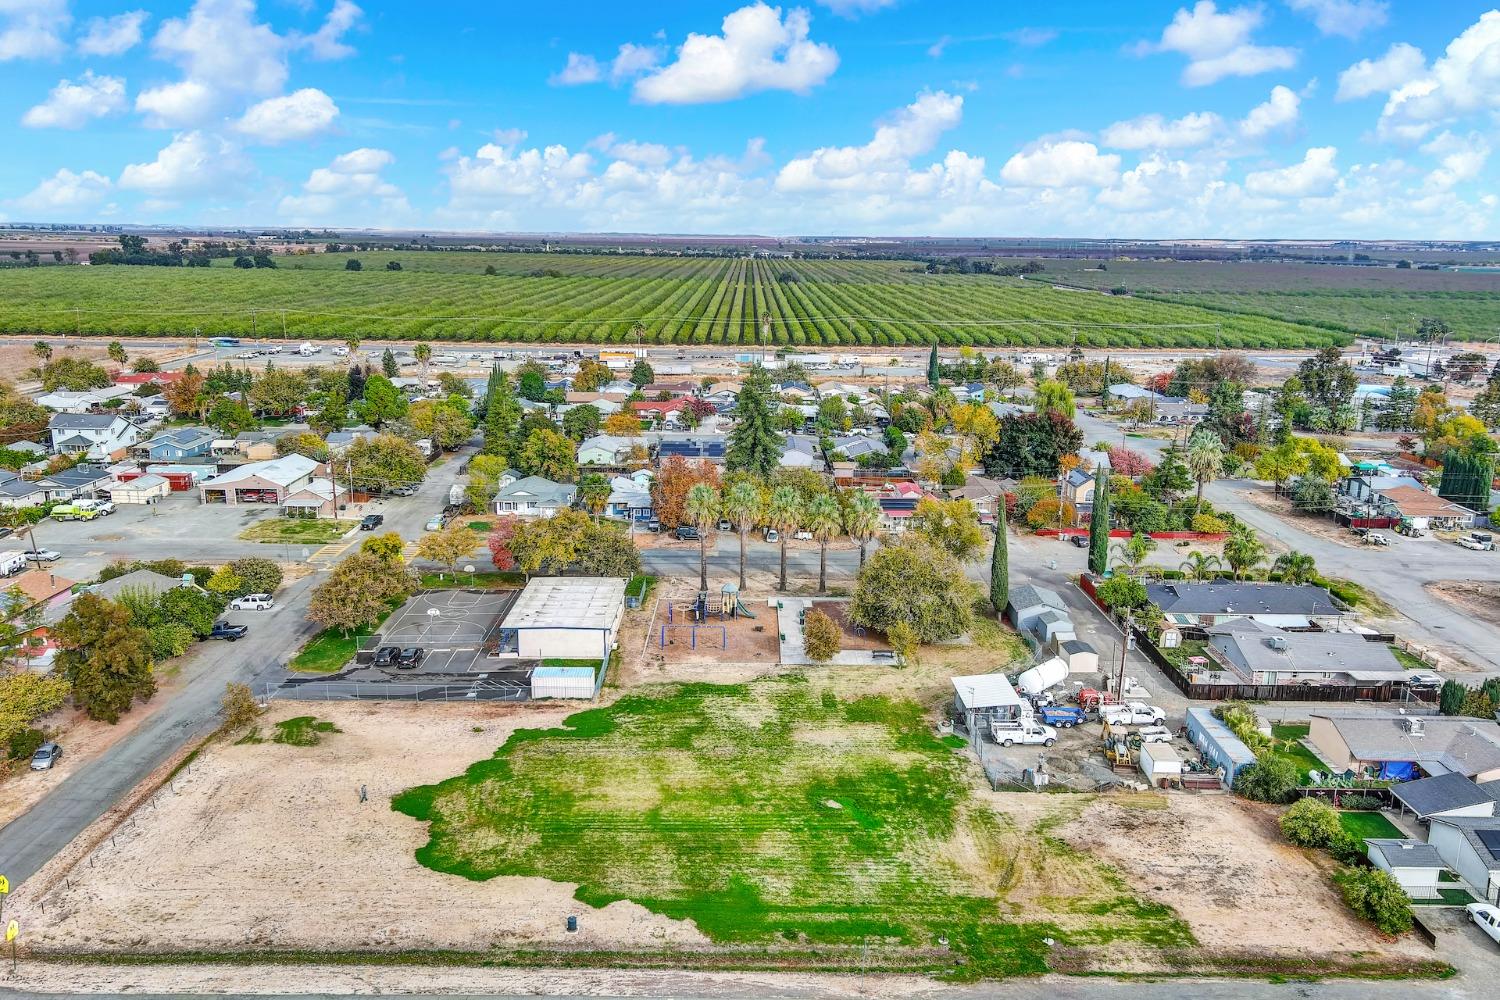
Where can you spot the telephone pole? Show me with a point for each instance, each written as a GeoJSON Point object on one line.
{"type": "Point", "coordinates": [1125, 651]}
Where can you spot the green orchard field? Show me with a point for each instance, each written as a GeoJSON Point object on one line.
{"type": "Point", "coordinates": [601, 299]}
{"type": "Point", "coordinates": [1362, 301]}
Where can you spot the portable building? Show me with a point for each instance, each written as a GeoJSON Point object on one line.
{"type": "Point", "coordinates": [1226, 750]}
{"type": "Point", "coordinates": [12, 563]}
{"type": "Point", "coordinates": [566, 618]}
{"type": "Point", "coordinates": [1160, 762]}
{"type": "Point", "coordinates": [562, 682]}
{"type": "Point", "coordinates": [1415, 865]}
{"type": "Point", "coordinates": [140, 489]}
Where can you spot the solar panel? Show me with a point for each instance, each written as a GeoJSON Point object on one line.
{"type": "Point", "coordinates": [1490, 839]}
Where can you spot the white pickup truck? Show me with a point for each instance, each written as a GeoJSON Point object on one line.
{"type": "Point", "coordinates": [1023, 731]}
{"type": "Point", "coordinates": [1134, 713]}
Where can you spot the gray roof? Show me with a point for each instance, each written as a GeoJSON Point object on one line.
{"type": "Point", "coordinates": [79, 475]}
{"type": "Point", "coordinates": [17, 487]}
{"type": "Point", "coordinates": [1254, 646]}
{"type": "Point", "coordinates": [1405, 853]}
{"type": "Point", "coordinates": [1075, 646]}
{"type": "Point", "coordinates": [540, 489]}
{"type": "Point", "coordinates": [1482, 833]}
{"type": "Point", "coordinates": [1467, 746]}
{"type": "Point", "coordinates": [1029, 595]}
{"type": "Point", "coordinates": [183, 437]}
{"type": "Point", "coordinates": [142, 579]}
{"type": "Point", "coordinates": [75, 421]}
{"type": "Point", "coordinates": [1220, 597]}
{"type": "Point", "coordinates": [1443, 792]}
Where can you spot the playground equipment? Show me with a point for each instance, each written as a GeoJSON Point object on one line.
{"type": "Point", "coordinates": [730, 595]}
{"type": "Point", "coordinates": [693, 634]}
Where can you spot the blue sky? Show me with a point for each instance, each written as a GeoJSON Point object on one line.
{"type": "Point", "coordinates": [1293, 118]}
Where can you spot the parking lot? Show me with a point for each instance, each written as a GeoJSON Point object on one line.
{"type": "Point", "coordinates": [456, 628]}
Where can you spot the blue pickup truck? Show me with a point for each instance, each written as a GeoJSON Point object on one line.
{"type": "Point", "coordinates": [1061, 716]}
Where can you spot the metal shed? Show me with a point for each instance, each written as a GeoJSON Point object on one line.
{"type": "Point", "coordinates": [562, 682]}
{"type": "Point", "coordinates": [1218, 744]}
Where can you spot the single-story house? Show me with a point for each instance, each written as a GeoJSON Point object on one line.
{"type": "Point", "coordinates": [1450, 794]}
{"type": "Point", "coordinates": [140, 489]}
{"type": "Point", "coordinates": [987, 495]}
{"type": "Point", "coordinates": [318, 499]}
{"type": "Point", "coordinates": [1261, 654]}
{"type": "Point", "coordinates": [987, 697]}
{"type": "Point", "coordinates": [1281, 605]}
{"type": "Point", "coordinates": [143, 581]}
{"type": "Point", "coordinates": [801, 451]}
{"type": "Point", "coordinates": [668, 411]}
{"type": "Point", "coordinates": [671, 389]}
{"type": "Point", "coordinates": [1361, 486]}
{"type": "Point", "coordinates": [252, 446]}
{"type": "Point", "coordinates": [1418, 504]}
{"type": "Point", "coordinates": [27, 448]}
{"type": "Point", "coordinates": [67, 401]}
{"type": "Point", "coordinates": [270, 481]}
{"type": "Point", "coordinates": [96, 435]}
{"type": "Point", "coordinates": [78, 483]}
{"type": "Point", "coordinates": [16, 492]}
{"type": "Point", "coordinates": [571, 618]}
{"type": "Point", "coordinates": [606, 449]}
{"type": "Point", "coordinates": [177, 443]}
{"type": "Point", "coordinates": [137, 379]}
{"type": "Point", "coordinates": [339, 441]}
{"type": "Point", "coordinates": [534, 496]}
{"type": "Point", "coordinates": [1415, 865]}
{"type": "Point", "coordinates": [630, 498]}
{"type": "Point", "coordinates": [1030, 600]}
{"type": "Point", "coordinates": [1400, 747]}
{"type": "Point", "coordinates": [1470, 845]}
{"type": "Point", "coordinates": [898, 504]}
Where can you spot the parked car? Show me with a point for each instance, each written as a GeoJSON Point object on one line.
{"type": "Point", "coordinates": [248, 355]}
{"type": "Point", "coordinates": [1423, 681]}
{"type": "Point", "coordinates": [42, 555]}
{"type": "Point", "coordinates": [434, 523]}
{"type": "Point", "coordinates": [404, 491]}
{"type": "Point", "coordinates": [1024, 731]}
{"type": "Point", "coordinates": [252, 602]}
{"type": "Point", "coordinates": [1079, 541]}
{"type": "Point", "coordinates": [803, 536]}
{"type": "Point", "coordinates": [687, 533]}
{"type": "Point", "coordinates": [46, 755]}
{"type": "Point", "coordinates": [1135, 713]}
{"type": "Point", "coordinates": [724, 525]}
{"type": "Point", "coordinates": [371, 521]}
{"type": "Point", "coordinates": [1155, 734]}
{"type": "Point", "coordinates": [1376, 538]}
{"type": "Point", "coordinates": [772, 535]}
{"type": "Point", "coordinates": [1485, 916]}
{"type": "Point", "coordinates": [228, 632]}
{"type": "Point", "coordinates": [4, 532]}
{"type": "Point", "coordinates": [653, 525]}
{"type": "Point", "coordinates": [386, 656]}
{"type": "Point", "coordinates": [411, 657]}
{"type": "Point", "coordinates": [1479, 541]}
{"type": "Point", "coordinates": [1470, 543]}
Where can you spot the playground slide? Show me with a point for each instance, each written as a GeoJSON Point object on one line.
{"type": "Point", "coordinates": [739, 607]}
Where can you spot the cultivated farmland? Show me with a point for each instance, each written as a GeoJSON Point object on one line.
{"type": "Point", "coordinates": [602, 299]}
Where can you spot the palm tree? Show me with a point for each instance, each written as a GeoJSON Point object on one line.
{"type": "Point", "coordinates": [743, 507]}
{"type": "Point", "coordinates": [784, 513]}
{"type": "Point", "coordinates": [1295, 567]}
{"type": "Point", "coordinates": [1134, 552]}
{"type": "Point", "coordinates": [352, 342]}
{"type": "Point", "coordinates": [594, 491]}
{"type": "Point", "coordinates": [1243, 550]}
{"type": "Point", "coordinates": [824, 522]}
{"type": "Point", "coordinates": [862, 521]}
{"type": "Point", "coordinates": [1199, 565]}
{"type": "Point", "coordinates": [702, 509]}
{"type": "Point", "coordinates": [1205, 457]}
{"type": "Point", "coordinates": [423, 353]}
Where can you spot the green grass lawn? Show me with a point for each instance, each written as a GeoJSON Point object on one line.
{"type": "Point", "coordinates": [486, 581]}
{"type": "Point", "coordinates": [1301, 757]}
{"type": "Point", "coordinates": [1408, 661]}
{"type": "Point", "coordinates": [296, 529]}
{"type": "Point", "coordinates": [1369, 824]}
{"type": "Point", "coordinates": [783, 819]}
{"type": "Point", "coordinates": [1447, 897]}
{"type": "Point", "coordinates": [554, 662]}
{"type": "Point", "coordinates": [330, 649]}
{"type": "Point", "coordinates": [302, 731]}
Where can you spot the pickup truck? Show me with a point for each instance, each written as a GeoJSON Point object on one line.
{"type": "Point", "coordinates": [1135, 713]}
{"type": "Point", "coordinates": [1025, 731]}
{"type": "Point", "coordinates": [1062, 716]}
{"type": "Point", "coordinates": [230, 633]}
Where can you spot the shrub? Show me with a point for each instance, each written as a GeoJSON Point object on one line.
{"type": "Point", "coordinates": [170, 639]}
{"type": "Point", "coordinates": [1377, 897]}
{"type": "Point", "coordinates": [24, 743]}
{"type": "Point", "coordinates": [238, 707]}
{"type": "Point", "coordinates": [1311, 823]}
{"type": "Point", "coordinates": [903, 639]}
{"type": "Point", "coordinates": [1451, 697]}
{"type": "Point", "coordinates": [1358, 803]}
{"type": "Point", "coordinates": [821, 636]}
{"type": "Point", "coordinates": [1209, 524]}
{"type": "Point", "coordinates": [1270, 779]}
{"type": "Point", "coordinates": [1347, 849]}
{"type": "Point", "coordinates": [1121, 592]}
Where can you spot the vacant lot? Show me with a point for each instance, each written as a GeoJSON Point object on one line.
{"type": "Point", "coordinates": [296, 530]}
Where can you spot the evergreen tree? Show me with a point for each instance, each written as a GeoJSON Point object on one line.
{"type": "Point", "coordinates": [1099, 523]}
{"type": "Point", "coordinates": [388, 364]}
{"type": "Point", "coordinates": [1000, 563]}
{"type": "Point", "coordinates": [642, 374]}
{"type": "Point", "coordinates": [501, 414]}
{"type": "Point", "coordinates": [932, 366]}
{"type": "Point", "coordinates": [754, 444]}
{"type": "Point", "coordinates": [357, 376]}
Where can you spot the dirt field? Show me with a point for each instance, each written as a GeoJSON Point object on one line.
{"type": "Point", "coordinates": [1475, 596]}
{"type": "Point", "coordinates": [749, 640]}
{"type": "Point", "coordinates": [270, 845]}
{"type": "Point", "coordinates": [839, 612]}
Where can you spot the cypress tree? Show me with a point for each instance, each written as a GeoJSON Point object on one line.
{"type": "Point", "coordinates": [1099, 523]}
{"type": "Point", "coordinates": [754, 444]}
{"type": "Point", "coordinates": [932, 366]}
{"type": "Point", "coordinates": [1000, 563]}
{"type": "Point", "coordinates": [501, 414]}
{"type": "Point", "coordinates": [388, 364]}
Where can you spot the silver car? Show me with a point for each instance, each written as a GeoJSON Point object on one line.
{"type": "Point", "coordinates": [46, 755]}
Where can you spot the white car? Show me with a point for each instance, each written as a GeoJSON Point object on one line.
{"type": "Point", "coordinates": [1469, 543]}
{"type": "Point", "coordinates": [252, 602]}
{"type": "Point", "coordinates": [1487, 918]}
{"type": "Point", "coordinates": [273, 349]}
{"type": "Point", "coordinates": [1135, 713]}
{"type": "Point", "coordinates": [341, 352]}
{"type": "Point", "coordinates": [247, 355]}
{"type": "Point", "coordinates": [1155, 734]}
{"type": "Point", "coordinates": [803, 536]}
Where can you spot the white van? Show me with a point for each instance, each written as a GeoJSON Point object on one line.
{"type": "Point", "coordinates": [12, 563]}
{"type": "Point", "coordinates": [308, 350]}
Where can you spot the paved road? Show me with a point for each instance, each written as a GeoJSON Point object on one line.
{"type": "Point", "coordinates": [1397, 574]}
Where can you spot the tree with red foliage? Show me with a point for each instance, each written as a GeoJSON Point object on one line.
{"type": "Point", "coordinates": [1131, 464]}
{"type": "Point", "coordinates": [499, 543]}
{"type": "Point", "coordinates": [1158, 383]}
{"type": "Point", "coordinates": [699, 408]}
{"type": "Point", "coordinates": [669, 489]}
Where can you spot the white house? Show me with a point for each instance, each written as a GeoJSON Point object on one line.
{"type": "Point", "coordinates": [607, 449]}
{"type": "Point", "coordinates": [65, 401]}
{"type": "Point", "coordinates": [1415, 865]}
{"type": "Point", "coordinates": [141, 489]}
{"type": "Point", "coordinates": [1471, 847]}
{"type": "Point", "coordinates": [96, 435]}
{"type": "Point", "coordinates": [534, 496]}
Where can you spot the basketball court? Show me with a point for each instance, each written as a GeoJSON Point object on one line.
{"type": "Point", "coordinates": [455, 627]}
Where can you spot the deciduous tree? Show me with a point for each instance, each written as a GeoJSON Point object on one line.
{"type": "Point", "coordinates": [821, 637]}
{"type": "Point", "coordinates": [950, 525]}
{"type": "Point", "coordinates": [450, 546]}
{"type": "Point", "coordinates": [914, 583]}
{"type": "Point", "coordinates": [550, 454]}
{"type": "Point", "coordinates": [104, 657]}
{"type": "Point", "coordinates": [669, 489]}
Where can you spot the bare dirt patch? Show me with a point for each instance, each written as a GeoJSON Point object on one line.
{"type": "Point", "coordinates": [1222, 864]}
{"type": "Point", "coordinates": [742, 641]}
{"type": "Point", "coordinates": [266, 845]}
{"type": "Point", "coordinates": [855, 636]}
{"type": "Point", "coordinates": [1480, 598]}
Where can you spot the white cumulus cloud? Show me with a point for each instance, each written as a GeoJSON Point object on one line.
{"type": "Point", "coordinates": [1400, 64]}
{"type": "Point", "coordinates": [632, 60]}
{"type": "Point", "coordinates": [112, 36]}
{"type": "Point", "coordinates": [1459, 159]}
{"type": "Point", "coordinates": [66, 191]}
{"type": "Point", "coordinates": [1219, 44]}
{"type": "Point", "coordinates": [349, 190]}
{"type": "Point", "coordinates": [1315, 175]}
{"type": "Point", "coordinates": [1156, 132]}
{"type": "Point", "coordinates": [299, 115]}
{"type": "Point", "coordinates": [328, 41]}
{"type": "Point", "coordinates": [1463, 81]}
{"type": "Point", "coordinates": [758, 50]}
{"type": "Point", "coordinates": [1059, 163]}
{"type": "Point", "coordinates": [1345, 18]}
{"type": "Point", "coordinates": [581, 68]}
{"type": "Point", "coordinates": [74, 104]}
{"type": "Point", "coordinates": [912, 131]}
{"type": "Point", "coordinates": [223, 53]}
{"type": "Point", "coordinates": [32, 29]}
{"type": "Point", "coordinates": [193, 163]}
{"type": "Point", "coordinates": [1279, 112]}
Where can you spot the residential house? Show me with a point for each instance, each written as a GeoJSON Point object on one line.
{"type": "Point", "coordinates": [66, 401]}
{"type": "Point", "coordinates": [1164, 409]}
{"type": "Point", "coordinates": [82, 482]}
{"type": "Point", "coordinates": [722, 394]}
{"type": "Point", "coordinates": [1363, 487]}
{"type": "Point", "coordinates": [16, 492]}
{"type": "Point", "coordinates": [318, 499]}
{"type": "Point", "coordinates": [693, 447]}
{"type": "Point", "coordinates": [630, 498]}
{"type": "Point", "coordinates": [31, 448]}
{"type": "Point", "coordinates": [248, 446]}
{"type": "Point", "coordinates": [673, 390]}
{"type": "Point", "coordinates": [856, 446]}
{"type": "Point", "coordinates": [1470, 846]}
{"type": "Point", "coordinates": [607, 449]}
{"type": "Point", "coordinates": [1416, 866]}
{"type": "Point", "coordinates": [1002, 409]}
{"type": "Point", "coordinates": [137, 379]}
{"type": "Point", "coordinates": [177, 443]}
{"type": "Point", "coordinates": [340, 441]}
{"type": "Point", "coordinates": [667, 411]}
{"type": "Point", "coordinates": [898, 504]}
{"type": "Point", "coordinates": [101, 436]}
{"type": "Point", "coordinates": [1078, 488]}
{"type": "Point", "coordinates": [987, 495]}
{"type": "Point", "coordinates": [1398, 747]}
{"type": "Point", "coordinates": [270, 481]}
{"type": "Point", "coordinates": [534, 496]}
{"type": "Point", "coordinates": [1281, 605]}
{"type": "Point", "coordinates": [143, 581]}
{"type": "Point", "coordinates": [1030, 600]}
{"type": "Point", "coordinates": [1418, 505]}
{"type": "Point", "coordinates": [139, 489]}
{"type": "Point", "coordinates": [797, 392]}
{"type": "Point", "coordinates": [1446, 795]}
{"type": "Point", "coordinates": [1257, 653]}
{"type": "Point", "coordinates": [801, 451]}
